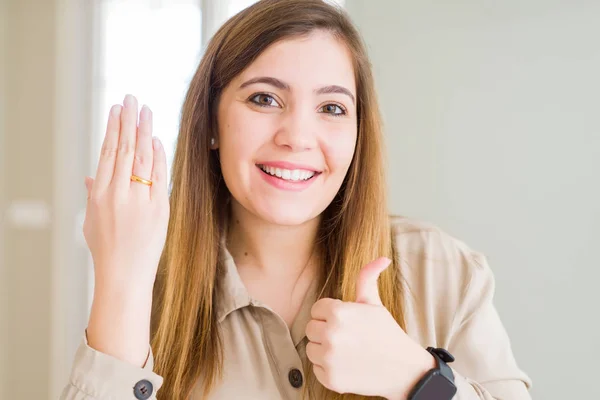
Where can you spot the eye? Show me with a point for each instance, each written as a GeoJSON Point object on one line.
{"type": "Point", "coordinates": [264, 100]}
{"type": "Point", "coordinates": [333, 109]}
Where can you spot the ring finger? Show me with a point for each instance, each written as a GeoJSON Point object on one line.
{"type": "Point", "coordinates": [142, 162]}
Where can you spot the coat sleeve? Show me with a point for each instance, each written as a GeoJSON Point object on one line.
{"type": "Point", "coordinates": [96, 375]}
{"type": "Point", "coordinates": [450, 290]}
{"type": "Point", "coordinates": [485, 367]}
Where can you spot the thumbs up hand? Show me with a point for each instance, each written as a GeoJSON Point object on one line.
{"type": "Point", "coordinates": [358, 347]}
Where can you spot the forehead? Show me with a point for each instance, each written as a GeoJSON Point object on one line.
{"type": "Point", "coordinates": [311, 61]}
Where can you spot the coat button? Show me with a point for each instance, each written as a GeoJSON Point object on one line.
{"type": "Point", "coordinates": [143, 390]}
{"type": "Point", "coordinates": [295, 378]}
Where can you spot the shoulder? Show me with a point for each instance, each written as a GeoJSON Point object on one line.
{"type": "Point", "coordinates": [431, 243]}
{"type": "Point", "coordinates": [444, 279]}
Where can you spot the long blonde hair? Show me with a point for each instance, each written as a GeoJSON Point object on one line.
{"type": "Point", "coordinates": [355, 228]}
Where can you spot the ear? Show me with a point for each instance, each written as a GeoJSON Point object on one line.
{"type": "Point", "coordinates": [214, 143]}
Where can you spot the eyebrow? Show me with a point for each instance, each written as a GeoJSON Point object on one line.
{"type": "Point", "coordinates": [284, 86]}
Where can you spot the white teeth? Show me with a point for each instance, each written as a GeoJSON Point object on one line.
{"type": "Point", "coordinates": [288, 174]}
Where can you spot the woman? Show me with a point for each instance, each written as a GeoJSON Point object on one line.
{"type": "Point", "coordinates": [272, 270]}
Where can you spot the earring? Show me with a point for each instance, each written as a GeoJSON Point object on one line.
{"type": "Point", "coordinates": [212, 141]}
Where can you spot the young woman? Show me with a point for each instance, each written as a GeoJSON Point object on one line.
{"type": "Point", "coordinates": [273, 270]}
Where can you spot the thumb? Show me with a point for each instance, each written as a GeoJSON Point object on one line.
{"type": "Point", "coordinates": [366, 289]}
{"type": "Point", "coordinates": [88, 185]}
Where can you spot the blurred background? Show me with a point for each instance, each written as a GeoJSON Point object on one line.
{"type": "Point", "coordinates": [492, 117]}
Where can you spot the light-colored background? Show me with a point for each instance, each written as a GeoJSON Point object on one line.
{"type": "Point", "coordinates": [492, 112]}
{"type": "Point", "coordinates": [493, 124]}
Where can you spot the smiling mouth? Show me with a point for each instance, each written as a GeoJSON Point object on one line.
{"type": "Point", "coordinates": [289, 175]}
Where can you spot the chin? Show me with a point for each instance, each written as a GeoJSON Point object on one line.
{"type": "Point", "coordinates": [284, 215]}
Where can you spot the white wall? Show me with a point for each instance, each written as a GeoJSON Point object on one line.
{"type": "Point", "coordinates": [492, 118]}
{"type": "Point", "coordinates": [27, 92]}
{"type": "Point", "coordinates": [45, 69]}
{"type": "Point", "coordinates": [73, 115]}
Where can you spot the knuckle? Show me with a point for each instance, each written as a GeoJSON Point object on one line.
{"type": "Point", "coordinates": [332, 380]}
{"type": "Point", "coordinates": [331, 339]}
{"type": "Point", "coordinates": [95, 201]}
{"type": "Point", "coordinates": [140, 159]}
{"type": "Point", "coordinates": [126, 147]}
{"type": "Point", "coordinates": [336, 309]}
{"type": "Point", "coordinates": [108, 152]}
{"type": "Point", "coordinates": [328, 357]}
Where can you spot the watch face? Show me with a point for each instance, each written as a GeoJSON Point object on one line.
{"type": "Point", "coordinates": [437, 387]}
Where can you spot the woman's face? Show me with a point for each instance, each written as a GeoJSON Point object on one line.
{"type": "Point", "coordinates": [288, 128]}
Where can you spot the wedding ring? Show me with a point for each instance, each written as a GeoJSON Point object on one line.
{"type": "Point", "coordinates": [136, 178]}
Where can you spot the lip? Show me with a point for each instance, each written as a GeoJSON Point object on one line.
{"type": "Point", "coordinates": [292, 186]}
{"type": "Point", "coordinates": [287, 165]}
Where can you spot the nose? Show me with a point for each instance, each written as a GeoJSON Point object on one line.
{"type": "Point", "coordinates": [298, 131]}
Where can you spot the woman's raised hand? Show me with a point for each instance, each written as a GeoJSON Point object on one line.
{"type": "Point", "coordinates": [126, 221]}
{"type": "Point", "coordinates": [125, 228]}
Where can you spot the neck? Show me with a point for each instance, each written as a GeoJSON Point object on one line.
{"type": "Point", "coordinates": [270, 249]}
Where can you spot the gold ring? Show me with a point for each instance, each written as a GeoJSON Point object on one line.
{"type": "Point", "coordinates": [136, 178]}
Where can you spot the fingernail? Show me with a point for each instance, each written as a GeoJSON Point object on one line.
{"type": "Point", "coordinates": [387, 262]}
{"type": "Point", "coordinates": [128, 100]}
{"type": "Point", "coordinates": [115, 110]}
{"type": "Point", "coordinates": [155, 143]}
{"type": "Point", "coordinates": [145, 113]}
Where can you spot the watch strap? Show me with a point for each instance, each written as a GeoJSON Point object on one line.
{"type": "Point", "coordinates": [443, 357]}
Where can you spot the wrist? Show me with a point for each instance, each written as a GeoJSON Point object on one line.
{"type": "Point", "coordinates": [127, 292]}
{"type": "Point", "coordinates": [119, 323]}
{"type": "Point", "coordinates": [123, 284]}
{"type": "Point", "coordinates": [422, 363]}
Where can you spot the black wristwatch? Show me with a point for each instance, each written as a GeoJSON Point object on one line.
{"type": "Point", "coordinates": [437, 384]}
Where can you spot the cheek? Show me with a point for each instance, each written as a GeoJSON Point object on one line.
{"type": "Point", "coordinates": [241, 133]}
{"type": "Point", "coordinates": [338, 148]}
